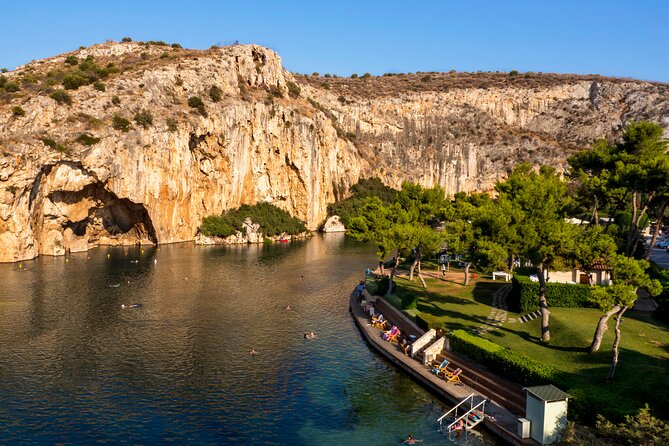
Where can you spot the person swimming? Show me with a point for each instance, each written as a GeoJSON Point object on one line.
{"type": "Point", "coordinates": [125, 307]}
{"type": "Point", "coordinates": [310, 335]}
{"type": "Point", "coordinates": [253, 352]}
{"type": "Point", "coordinates": [288, 307]}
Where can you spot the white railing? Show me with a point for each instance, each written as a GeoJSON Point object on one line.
{"type": "Point", "coordinates": [462, 421]}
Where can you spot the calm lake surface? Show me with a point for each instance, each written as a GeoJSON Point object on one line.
{"type": "Point", "coordinates": [75, 368]}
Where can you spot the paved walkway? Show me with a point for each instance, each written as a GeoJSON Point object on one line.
{"type": "Point", "coordinates": [499, 312]}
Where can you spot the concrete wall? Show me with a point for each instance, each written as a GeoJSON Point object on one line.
{"type": "Point", "coordinates": [430, 353]}
{"type": "Point", "coordinates": [423, 341]}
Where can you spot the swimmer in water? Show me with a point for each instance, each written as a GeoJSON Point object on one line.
{"type": "Point", "coordinates": [288, 307]}
{"type": "Point", "coordinates": [253, 352]}
{"type": "Point", "coordinates": [310, 335]}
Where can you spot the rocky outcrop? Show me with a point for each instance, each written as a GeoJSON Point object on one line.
{"type": "Point", "coordinates": [333, 224]}
{"type": "Point", "coordinates": [250, 233]}
{"type": "Point", "coordinates": [258, 140]}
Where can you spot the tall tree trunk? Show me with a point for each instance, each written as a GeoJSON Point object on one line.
{"type": "Point", "coordinates": [391, 284]}
{"type": "Point", "coordinates": [658, 225]}
{"type": "Point", "coordinates": [616, 343]}
{"type": "Point", "coordinates": [420, 276]}
{"type": "Point", "coordinates": [511, 265]}
{"type": "Point", "coordinates": [381, 267]}
{"type": "Point", "coordinates": [602, 326]}
{"type": "Point", "coordinates": [595, 213]}
{"type": "Point", "coordinates": [543, 304]}
{"type": "Point", "coordinates": [467, 266]}
{"type": "Point", "coordinates": [413, 267]}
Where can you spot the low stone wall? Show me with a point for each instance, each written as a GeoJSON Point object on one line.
{"type": "Point", "coordinates": [423, 341]}
{"type": "Point", "coordinates": [430, 353]}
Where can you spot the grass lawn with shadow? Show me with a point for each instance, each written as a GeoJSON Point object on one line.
{"type": "Point", "coordinates": [643, 362]}
{"type": "Point", "coordinates": [458, 306]}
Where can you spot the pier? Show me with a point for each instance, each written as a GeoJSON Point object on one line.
{"type": "Point", "coordinates": [504, 400]}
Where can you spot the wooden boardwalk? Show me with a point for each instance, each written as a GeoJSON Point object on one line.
{"type": "Point", "coordinates": [500, 420]}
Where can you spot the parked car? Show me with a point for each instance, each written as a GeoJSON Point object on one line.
{"type": "Point", "coordinates": [662, 244]}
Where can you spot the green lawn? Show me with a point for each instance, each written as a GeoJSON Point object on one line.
{"type": "Point", "coordinates": [641, 376]}
{"type": "Point", "coordinates": [460, 307]}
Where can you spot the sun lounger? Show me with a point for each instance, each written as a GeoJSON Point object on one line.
{"type": "Point", "coordinates": [392, 334]}
{"type": "Point", "coordinates": [441, 368]}
{"type": "Point", "coordinates": [453, 377]}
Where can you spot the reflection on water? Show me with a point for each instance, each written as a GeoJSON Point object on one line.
{"type": "Point", "coordinates": [76, 368]}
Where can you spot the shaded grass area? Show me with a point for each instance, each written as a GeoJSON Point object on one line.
{"type": "Point", "coordinates": [643, 362]}
{"type": "Point", "coordinates": [457, 306]}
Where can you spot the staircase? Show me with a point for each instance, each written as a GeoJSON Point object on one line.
{"type": "Point", "coordinates": [466, 415]}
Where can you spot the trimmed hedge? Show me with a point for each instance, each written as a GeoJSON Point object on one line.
{"type": "Point", "coordinates": [427, 321]}
{"type": "Point", "coordinates": [511, 365]}
{"type": "Point", "coordinates": [524, 295]}
{"type": "Point", "coordinates": [382, 286]}
{"type": "Point", "coordinates": [409, 301]}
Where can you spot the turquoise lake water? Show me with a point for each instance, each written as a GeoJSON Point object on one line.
{"type": "Point", "coordinates": [76, 368]}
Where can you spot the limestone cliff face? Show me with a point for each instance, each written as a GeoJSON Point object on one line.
{"type": "Point", "coordinates": [156, 182]}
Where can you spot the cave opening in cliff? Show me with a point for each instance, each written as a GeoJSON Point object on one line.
{"type": "Point", "coordinates": [96, 214]}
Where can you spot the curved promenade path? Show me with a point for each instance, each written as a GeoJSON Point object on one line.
{"type": "Point", "coordinates": [505, 399]}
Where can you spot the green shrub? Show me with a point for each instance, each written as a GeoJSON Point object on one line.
{"type": "Point", "coordinates": [272, 220]}
{"type": "Point", "coordinates": [144, 56]}
{"type": "Point", "coordinates": [176, 46]}
{"type": "Point", "coordinates": [409, 301]}
{"type": "Point", "coordinates": [54, 145]}
{"type": "Point", "coordinates": [513, 73]}
{"type": "Point", "coordinates": [116, 100]}
{"type": "Point", "coordinates": [99, 86]}
{"type": "Point", "coordinates": [72, 81]}
{"type": "Point", "coordinates": [11, 87]}
{"type": "Point", "coordinates": [87, 139]}
{"type": "Point", "coordinates": [3, 81]}
{"type": "Point", "coordinates": [354, 76]}
{"type": "Point", "coordinates": [215, 93]}
{"type": "Point", "coordinates": [315, 73]}
{"type": "Point", "coordinates": [4, 70]}
{"type": "Point", "coordinates": [144, 118]}
{"type": "Point", "coordinates": [366, 75]}
{"type": "Point", "coordinates": [18, 111]}
{"type": "Point", "coordinates": [524, 295]}
{"type": "Point", "coordinates": [61, 97]}
{"type": "Point", "coordinates": [126, 39]}
{"type": "Point", "coordinates": [196, 103]}
{"type": "Point", "coordinates": [71, 60]}
{"type": "Point", "coordinates": [171, 124]}
{"type": "Point", "coordinates": [382, 286]}
{"type": "Point", "coordinates": [120, 123]}
{"type": "Point", "coordinates": [164, 55]}
{"type": "Point", "coordinates": [293, 89]}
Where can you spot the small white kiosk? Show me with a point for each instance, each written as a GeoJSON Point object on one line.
{"type": "Point", "coordinates": [546, 410]}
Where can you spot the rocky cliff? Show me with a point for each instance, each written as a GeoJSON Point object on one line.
{"type": "Point", "coordinates": [74, 175]}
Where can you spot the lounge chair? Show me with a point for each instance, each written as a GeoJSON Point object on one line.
{"type": "Point", "coordinates": [379, 322]}
{"type": "Point", "coordinates": [441, 368]}
{"type": "Point", "coordinates": [392, 334]}
{"type": "Point", "coordinates": [453, 377]}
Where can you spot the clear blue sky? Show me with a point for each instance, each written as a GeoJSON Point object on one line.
{"type": "Point", "coordinates": [615, 37]}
